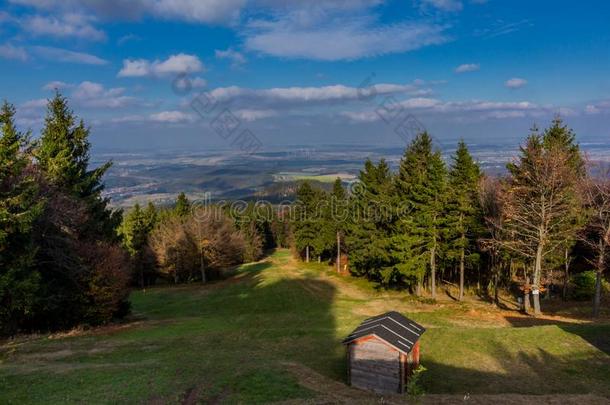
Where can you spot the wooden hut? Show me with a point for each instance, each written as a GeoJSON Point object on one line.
{"type": "Point", "coordinates": [382, 352]}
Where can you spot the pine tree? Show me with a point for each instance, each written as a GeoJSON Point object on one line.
{"type": "Point", "coordinates": [371, 223]}
{"type": "Point", "coordinates": [463, 212]}
{"type": "Point", "coordinates": [135, 229]}
{"type": "Point", "coordinates": [421, 184]}
{"type": "Point", "coordinates": [559, 136]}
{"type": "Point", "coordinates": [151, 215]}
{"type": "Point", "coordinates": [63, 158]}
{"type": "Point", "coordinates": [337, 218]}
{"type": "Point", "coordinates": [307, 219]}
{"type": "Point", "coordinates": [183, 205]}
{"type": "Point", "coordinates": [19, 208]}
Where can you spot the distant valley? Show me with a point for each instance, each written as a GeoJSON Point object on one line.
{"type": "Point", "coordinates": [272, 175]}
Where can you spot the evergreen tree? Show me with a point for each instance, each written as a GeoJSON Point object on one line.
{"type": "Point", "coordinates": [421, 184]}
{"type": "Point", "coordinates": [183, 205]}
{"type": "Point", "coordinates": [63, 158]}
{"type": "Point", "coordinates": [371, 223]}
{"type": "Point", "coordinates": [19, 208]}
{"type": "Point", "coordinates": [135, 229]}
{"type": "Point", "coordinates": [337, 219]}
{"type": "Point", "coordinates": [464, 222]}
{"type": "Point", "coordinates": [307, 219]}
{"type": "Point", "coordinates": [151, 215]}
{"type": "Point", "coordinates": [559, 136]}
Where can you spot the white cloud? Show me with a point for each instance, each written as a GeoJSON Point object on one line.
{"type": "Point", "coordinates": [67, 26]}
{"type": "Point", "coordinates": [515, 83]}
{"type": "Point", "coordinates": [8, 51]}
{"type": "Point", "coordinates": [87, 94]}
{"type": "Point", "coordinates": [307, 35]}
{"type": "Point", "coordinates": [592, 109]}
{"type": "Point", "coordinates": [36, 103]}
{"type": "Point", "coordinates": [198, 83]}
{"type": "Point", "coordinates": [175, 64]}
{"type": "Point", "coordinates": [443, 5]}
{"type": "Point", "coordinates": [64, 55]}
{"type": "Point", "coordinates": [57, 85]}
{"type": "Point", "coordinates": [128, 118]}
{"type": "Point", "coordinates": [474, 109]}
{"type": "Point", "coordinates": [237, 59]}
{"type": "Point", "coordinates": [208, 11]}
{"type": "Point", "coordinates": [286, 96]}
{"type": "Point", "coordinates": [94, 95]}
{"type": "Point", "coordinates": [171, 117]}
{"type": "Point", "coordinates": [254, 115]}
{"type": "Point", "coordinates": [127, 38]}
{"type": "Point", "coordinates": [467, 67]}
{"type": "Point", "coordinates": [598, 107]}
{"type": "Point", "coordinates": [203, 11]}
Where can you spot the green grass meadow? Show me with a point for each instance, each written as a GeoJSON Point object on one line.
{"type": "Point", "coordinates": [272, 331]}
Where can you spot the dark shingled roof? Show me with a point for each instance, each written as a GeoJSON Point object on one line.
{"type": "Point", "coordinates": [393, 328]}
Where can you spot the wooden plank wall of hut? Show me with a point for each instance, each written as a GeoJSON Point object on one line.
{"type": "Point", "coordinates": [374, 366]}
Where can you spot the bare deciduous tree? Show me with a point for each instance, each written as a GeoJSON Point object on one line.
{"type": "Point", "coordinates": [185, 246]}
{"type": "Point", "coordinates": [540, 200]}
{"type": "Point", "coordinates": [596, 235]}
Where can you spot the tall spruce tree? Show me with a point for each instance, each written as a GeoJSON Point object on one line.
{"type": "Point", "coordinates": [183, 205]}
{"type": "Point", "coordinates": [337, 219]}
{"type": "Point", "coordinates": [370, 225]}
{"type": "Point", "coordinates": [421, 184]}
{"type": "Point", "coordinates": [19, 208]}
{"type": "Point", "coordinates": [464, 220]}
{"type": "Point", "coordinates": [307, 220]}
{"type": "Point", "coordinates": [63, 158]}
{"type": "Point", "coordinates": [135, 229]}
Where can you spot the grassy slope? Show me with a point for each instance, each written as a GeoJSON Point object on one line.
{"type": "Point", "coordinates": [254, 337]}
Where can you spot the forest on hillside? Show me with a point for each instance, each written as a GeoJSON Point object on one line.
{"type": "Point", "coordinates": [67, 258]}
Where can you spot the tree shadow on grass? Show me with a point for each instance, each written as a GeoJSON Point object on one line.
{"type": "Point", "coordinates": [532, 372]}
{"type": "Point", "coordinates": [266, 319]}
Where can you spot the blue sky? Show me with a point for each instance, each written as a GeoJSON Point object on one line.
{"type": "Point", "coordinates": [294, 71]}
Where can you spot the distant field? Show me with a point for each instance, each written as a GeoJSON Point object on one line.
{"type": "Point", "coordinates": [323, 178]}
{"type": "Point", "coordinates": [272, 332]}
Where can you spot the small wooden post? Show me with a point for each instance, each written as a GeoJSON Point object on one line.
{"type": "Point", "coordinates": [338, 252]}
{"type": "Point", "coordinates": [402, 373]}
{"type": "Point", "coordinates": [349, 364]}
{"type": "Point", "coordinates": [416, 355]}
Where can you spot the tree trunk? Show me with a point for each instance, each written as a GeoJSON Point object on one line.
{"type": "Point", "coordinates": [566, 276]}
{"type": "Point", "coordinates": [338, 252]}
{"type": "Point", "coordinates": [202, 268]}
{"type": "Point", "coordinates": [462, 272]}
{"type": "Point", "coordinates": [307, 254]}
{"type": "Point", "coordinates": [526, 296]}
{"type": "Point", "coordinates": [433, 271]}
{"type": "Point", "coordinates": [598, 294]}
{"type": "Point", "coordinates": [597, 299]}
{"type": "Point", "coordinates": [526, 302]}
{"type": "Point", "coordinates": [496, 279]}
{"type": "Point", "coordinates": [537, 278]}
{"type": "Point", "coordinates": [418, 289]}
